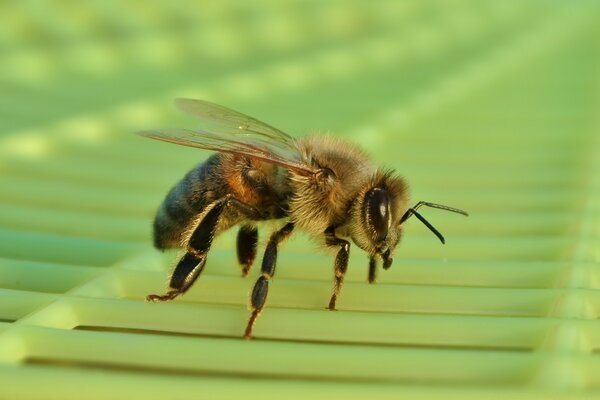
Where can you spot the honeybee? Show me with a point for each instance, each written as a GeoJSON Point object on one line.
{"type": "Point", "coordinates": [321, 185]}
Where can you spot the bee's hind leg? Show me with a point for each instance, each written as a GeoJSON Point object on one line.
{"type": "Point", "coordinates": [247, 239]}
{"type": "Point", "coordinates": [187, 270]}
{"type": "Point", "coordinates": [192, 263]}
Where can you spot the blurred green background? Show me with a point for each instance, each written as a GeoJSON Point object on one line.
{"type": "Point", "coordinates": [490, 106]}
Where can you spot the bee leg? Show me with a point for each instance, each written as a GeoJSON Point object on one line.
{"type": "Point", "coordinates": [387, 260]}
{"type": "Point", "coordinates": [372, 269]}
{"type": "Point", "coordinates": [247, 239]}
{"type": "Point", "coordinates": [192, 263]}
{"type": "Point", "coordinates": [187, 270]}
{"type": "Point", "coordinates": [341, 263]}
{"type": "Point", "coordinates": [261, 287]}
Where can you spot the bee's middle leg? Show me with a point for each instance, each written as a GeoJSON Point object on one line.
{"type": "Point", "coordinates": [340, 265]}
{"type": "Point", "coordinates": [372, 269]}
{"type": "Point", "coordinates": [247, 240]}
{"type": "Point", "coordinates": [261, 287]}
{"type": "Point", "coordinates": [193, 261]}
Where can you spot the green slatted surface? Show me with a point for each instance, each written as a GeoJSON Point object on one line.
{"type": "Point", "coordinates": [487, 106]}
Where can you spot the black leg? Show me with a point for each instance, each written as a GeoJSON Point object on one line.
{"type": "Point", "coordinates": [387, 263]}
{"type": "Point", "coordinates": [192, 263]}
{"type": "Point", "coordinates": [261, 287]}
{"type": "Point", "coordinates": [372, 269]}
{"type": "Point", "coordinates": [185, 273]}
{"type": "Point", "coordinates": [387, 260]}
{"type": "Point", "coordinates": [340, 264]}
{"type": "Point", "coordinates": [247, 239]}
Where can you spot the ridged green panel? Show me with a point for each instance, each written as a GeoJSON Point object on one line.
{"type": "Point", "coordinates": [490, 106]}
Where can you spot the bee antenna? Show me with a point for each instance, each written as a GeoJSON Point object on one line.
{"type": "Point", "coordinates": [427, 224]}
{"type": "Point", "coordinates": [413, 211]}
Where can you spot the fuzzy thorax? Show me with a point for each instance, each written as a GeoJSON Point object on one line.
{"type": "Point", "coordinates": [324, 199]}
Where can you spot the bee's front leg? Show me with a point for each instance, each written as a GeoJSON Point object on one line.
{"type": "Point", "coordinates": [340, 265]}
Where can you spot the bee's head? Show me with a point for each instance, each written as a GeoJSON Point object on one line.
{"type": "Point", "coordinates": [376, 214]}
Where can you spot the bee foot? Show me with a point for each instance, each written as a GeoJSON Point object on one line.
{"type": "Point", "coordinates": [166, 297]}
{"type": "Point", "coordinates": [331, 306]}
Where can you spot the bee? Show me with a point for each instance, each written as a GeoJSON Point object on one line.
{"type": "Point", "coordinates": [321, 185]}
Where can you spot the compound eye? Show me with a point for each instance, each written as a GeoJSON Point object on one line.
{"type": "Point", "coordinates": [378, 213]}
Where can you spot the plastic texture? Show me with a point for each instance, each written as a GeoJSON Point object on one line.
{"type": "Point", "coordinates": [491, 107]}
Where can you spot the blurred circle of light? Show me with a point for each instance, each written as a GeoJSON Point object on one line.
{"type": "Point", "coordinates": [96, 59]}
{"type": "Point", "coordinates": [338, 63]}
{"type": "Point", "coordinates": [244, 86]}
{"type": "Point", "coordinates": [397, 119]}
{"type": "Point", "coordinates": [291, 75]}
{"type": "Point", "coordinates": [31, 67]}
{"type": "Point", "coordinates": [425, 41]}
{"type": "Point", "coordinates": [84, 129]}
{"type": "Point", "coordinates": [370, 137]}
{"type": "Point", "coordinates": [129, 115]}
{"type": "Point", "coordinates": [223, 44]}
{"type": "Point", "coordinates": [159, 51]}
{"type": "Point", "coordinates": [384, 51]}
{"type": "Point", "coordinates": [281, 33]}
{"type": "Point", "coordinates": [32, 145]}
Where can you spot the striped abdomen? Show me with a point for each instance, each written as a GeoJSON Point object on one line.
{"type": "Point", "coordinates": [186, 200]}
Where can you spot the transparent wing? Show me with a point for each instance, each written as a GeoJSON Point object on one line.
{"type": "Point", "coordinates": [219, 119]}
{"type": "Point", "coordinates": [225, 130]}
{"type": "Point", "coordinates": [243, 144]}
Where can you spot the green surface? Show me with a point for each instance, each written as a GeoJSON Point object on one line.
{"type": "Point", "coordinates": [488, 106]}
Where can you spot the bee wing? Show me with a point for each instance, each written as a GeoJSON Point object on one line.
{"type": "Point", "coordinates": [219, 119]}
{"type": "Point", "coordinates": [236, 144]}
{"type": "Point", "coordinates": [228, 131]}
